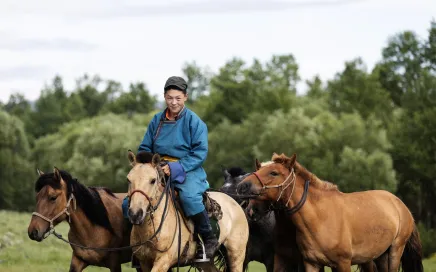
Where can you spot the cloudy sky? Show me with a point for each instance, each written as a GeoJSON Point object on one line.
{"type": "Point", "coordinates": [143, 40]}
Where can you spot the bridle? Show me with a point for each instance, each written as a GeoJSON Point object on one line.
{"type": "Point", "coordinates": [151, 209]}
{"type": "Point", "coordinates": [71, 199]}
{"type": "Point", "coordinates": [266, 187]}
{"type": "Point", "coordinates": [283, 187]}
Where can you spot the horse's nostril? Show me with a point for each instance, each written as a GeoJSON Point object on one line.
{"type": "Point", "coordinates": [33, 234]}
{"type": "Point", "coordinates": [131, 214]}
{"type": "Point", "coordinates": [140, 213]}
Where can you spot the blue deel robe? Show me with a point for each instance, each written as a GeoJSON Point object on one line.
{"type": "Point", "coordinates": [185, 138]}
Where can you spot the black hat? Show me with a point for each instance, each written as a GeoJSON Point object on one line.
{"type": "Point", "coordinates": [177, 82]}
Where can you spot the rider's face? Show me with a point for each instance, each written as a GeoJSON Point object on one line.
{"type": "Point", "coordinates": [175, 100]}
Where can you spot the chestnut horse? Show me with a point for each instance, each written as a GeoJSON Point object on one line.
{"type": "Point", "coordinates": [165, 228]}
{"type": "Point", "coordinates": [333, 228]}
{"type": "Point", "coordinates": [94, 216]}
{"type": "Point", "coordinates": [272, 235]}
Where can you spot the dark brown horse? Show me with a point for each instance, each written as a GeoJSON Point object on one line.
{"type": "Point", "coordinates": [94, 216]}
{"type": "Point", "coordinates": [334, 228]}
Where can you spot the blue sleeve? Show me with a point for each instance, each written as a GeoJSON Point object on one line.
{"type": "Point", "coordinates": [177, 173]}
{"type": "Point", "coordinates": [199, 146]}
{"type": "Point", "coordinates": [147, 141]}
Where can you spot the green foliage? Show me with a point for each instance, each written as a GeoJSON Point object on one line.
{"type": "Point", "coordinates": [238, 91]}
{"type": "Point", "coordinates": [346, 150]}
{"type": "Point", "coordinates": [197, 79]}
{"type": "Point", "coordinates": [16, 169]}
{"type": "Point", "coordinates": [93, 150]}
{"type": "Point", "coordinates": [427, 236]}
{"type": "Point", "coordinates": [354, 90]}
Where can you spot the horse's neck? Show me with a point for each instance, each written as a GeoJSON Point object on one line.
{"type": "Point", "coordinates": [80, 226]}
{"type": "Point", "coordinates": [152, 222]}
{"type": "Point", "coordinates": [309, 211]}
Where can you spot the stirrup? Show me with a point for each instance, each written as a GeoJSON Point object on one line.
{"type": "Point", "coordinates": [204, 258]}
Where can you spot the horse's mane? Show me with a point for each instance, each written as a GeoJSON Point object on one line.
{"type": "Point", "coordinates": [304, 173]}
{"type": "Point", "coordinates": [315, 181]}
{"type": "Point", "coordinates": [236, 172]}
{"type": "Point", "coordinates": [87, 198]}
{"type": "Point", "coordinates": [144, 157]}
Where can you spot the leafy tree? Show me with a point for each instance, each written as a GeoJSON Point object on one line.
{"type": "Point", "coordinates": [16, 170]}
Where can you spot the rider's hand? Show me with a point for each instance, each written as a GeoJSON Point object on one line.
{"type": "Point", "coordinates": [166, 170]}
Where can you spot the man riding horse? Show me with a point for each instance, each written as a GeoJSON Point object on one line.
{"type": "Point", "coordinates": [181, 138]}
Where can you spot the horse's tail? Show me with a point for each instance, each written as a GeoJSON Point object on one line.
{"type": "Point", "coordinates": [411, 260]}
{"type": "Point", "coordinates": [222, 259]}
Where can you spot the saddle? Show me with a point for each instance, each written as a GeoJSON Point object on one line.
{"type": "Point", "coordinates": [213, 208]}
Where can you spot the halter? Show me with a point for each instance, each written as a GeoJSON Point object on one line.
{"type": "Point", "coordinates": [64, 211]}
{"type": "Point", "coordinates": [265, 187]}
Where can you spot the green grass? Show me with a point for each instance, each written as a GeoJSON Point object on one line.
{"type": "Point", "coordinates": [20, 254]}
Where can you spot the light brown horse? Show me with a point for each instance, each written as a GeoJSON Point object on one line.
{"type": "Point", "coordinates": [148, 195]}
{"type": "Point", "coordinates": [338, 229]}
{"type": "Point", "coordinates": [94, 215]}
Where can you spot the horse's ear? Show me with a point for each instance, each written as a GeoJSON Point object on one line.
{"type": "Point", "coordinates": [132, 158]}
{"type": "Point", "coordinates": [155, 161]}
{"type": "Point", "coordinates": [257, 164]}
{"type": "Point", "coordinates": [225, 172]}
{"type": "Point", "coordinates": [290, 162]}
{"type": "Point", "coordinates": [40, 173]}
{"type": "Point", "coordinates": [57, 174]}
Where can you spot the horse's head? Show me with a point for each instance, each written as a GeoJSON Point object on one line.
{"type": "Point", "coordinates": [268, 182]}
{"type": "Point", "coordinates": [232, 177]}
{"type": "Point", "coordinates": [146, 180]}
{"type": "Point", "coordinates": [52, 205]}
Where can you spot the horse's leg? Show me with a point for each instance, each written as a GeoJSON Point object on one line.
{"type": "Point", "coordinates": [280, 264]}
{"type": "Point", "coordinates": [114, 262]}
{"type": "Point", "coordinates": [312, 268]}
{"type": "Point", "coordinates": [344, 266]}
{"type": "Point", "coordinates": [367, 267]}
{"type": "Point", "coordinates": [145, 266]}
{"type": "Point", "coordinates": [235, 255]}
{"type": "Point", "coordinates": [382, 262]}
{"type": "Point", "coordinates": [77, 265]}
{"type": "Point", "coordinates": [269, 263]}
{"type": "Point", "coordinates": [160, 265]}
{"type": "Point", "coordinates": [395, 253]}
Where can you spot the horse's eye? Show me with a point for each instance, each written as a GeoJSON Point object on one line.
{"type": "Point", "coordinates": [153, 181]}
{"type": "Point", "coordinates": [53, 198]}
{"type": "Point", "coordinates": [274, 174]}
{"type": "Point", "coordinates": [128, 181]}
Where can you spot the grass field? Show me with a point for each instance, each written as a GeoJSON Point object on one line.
{"type": "Point", "coordinates": [20, 254]}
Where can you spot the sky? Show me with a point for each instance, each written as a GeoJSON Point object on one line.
{"type": "Point", "coordinates": [148, 41]}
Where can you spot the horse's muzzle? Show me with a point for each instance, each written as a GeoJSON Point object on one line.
{"type": "Point", "coordinates": [36, 235]}
{"type": "Point", "coordinates": [136, 217]}
{"type": "Point", "coordinates": [244, 188]}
